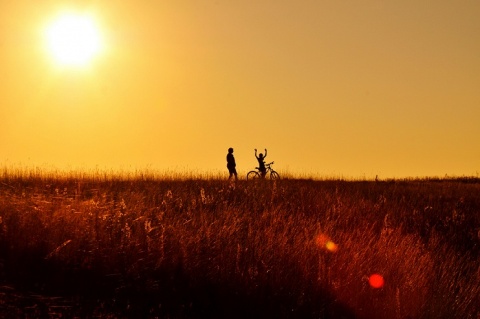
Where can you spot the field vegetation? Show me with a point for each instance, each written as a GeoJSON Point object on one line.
{"type": "Point", "coordinates": [93, 245]}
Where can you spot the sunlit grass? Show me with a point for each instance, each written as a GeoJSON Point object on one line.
{"type": "Point", "coordinates": [144, 244]}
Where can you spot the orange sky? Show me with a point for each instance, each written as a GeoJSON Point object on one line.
{"type": "Point", "coordinates": [331, 88]}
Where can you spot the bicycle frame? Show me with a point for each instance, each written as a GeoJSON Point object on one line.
{"type": "Point", "coordinates": [258, 174]}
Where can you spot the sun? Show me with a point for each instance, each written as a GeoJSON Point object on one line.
{"type": "Point", "coordinates": [73, 39]}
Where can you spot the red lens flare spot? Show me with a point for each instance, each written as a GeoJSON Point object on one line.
{"type": "Point", "coordinates": [376, 281]}
{"type": "Point", "coordinates": [321, 240]}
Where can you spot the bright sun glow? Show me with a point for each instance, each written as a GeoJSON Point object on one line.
{"type": "Point", "coordinates": [73, 39]}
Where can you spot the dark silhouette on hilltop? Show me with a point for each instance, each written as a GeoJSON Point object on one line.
{"type": "Point", "coordinates": [231, 164]}
{"type": "Point", "coordinates": [261, 162]}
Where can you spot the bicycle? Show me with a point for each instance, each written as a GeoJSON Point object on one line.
{"type": "Point", "coordinates": [257, 174]}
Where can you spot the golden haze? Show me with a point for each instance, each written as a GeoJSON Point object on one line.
{"type": "Point", "coordinates": [330, 88]}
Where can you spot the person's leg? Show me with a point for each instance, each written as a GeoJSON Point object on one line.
{"type": "Point", "coordinates": [232, 172]}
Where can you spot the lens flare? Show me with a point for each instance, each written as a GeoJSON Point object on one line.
{"type": "Point", "coordinates": [321, 240]}
{"type": "Point", "coordinates": [376, 281]}
{"type": "Point", "coordinates": [324, 242]}
{"type": "Point", "coordinates": [331, 246]}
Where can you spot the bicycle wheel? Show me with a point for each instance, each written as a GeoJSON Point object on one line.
{"type": "Point", "coordinates": [252, 175]}
{"type": "Point", "coordinates": [274, 175]}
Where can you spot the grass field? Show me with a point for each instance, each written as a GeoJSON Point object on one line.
{"type": "Point", "coordinates": [137, 246]}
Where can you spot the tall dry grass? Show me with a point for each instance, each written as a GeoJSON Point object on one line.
{"type": "Point", "coordinates": [150, 247]}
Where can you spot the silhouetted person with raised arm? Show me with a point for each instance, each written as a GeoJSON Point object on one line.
{"type": "Point", "coordinates": [261, 162]}
{"type": "Point", "coordinates": [231, 164]}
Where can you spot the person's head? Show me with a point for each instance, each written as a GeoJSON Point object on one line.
{"type": "Point", "coordinates": [230, 150]}
{"type": "Point", "coordinates": [260, 155]}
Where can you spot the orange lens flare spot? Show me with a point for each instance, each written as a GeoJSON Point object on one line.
{"type": "Point", "coordinates": [331, 246]}
{"type": "Point", "coordinates": [324, 242]}
{"type": "Point", "coordinates": [376, 281]}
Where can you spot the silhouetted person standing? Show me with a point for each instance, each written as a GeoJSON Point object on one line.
{"type": "Point", "coordinates": [261, 162]}
{"type": "Point", "coordinates": [231, 164]}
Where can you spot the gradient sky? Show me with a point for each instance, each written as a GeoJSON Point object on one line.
{"type": "Point", "coordinates": [334, 88]}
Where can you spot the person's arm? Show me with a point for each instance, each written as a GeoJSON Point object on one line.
{"type": "Point", "coordinates": [265, 153]}
{"type": "Point", "coordinates": [256, 154]}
